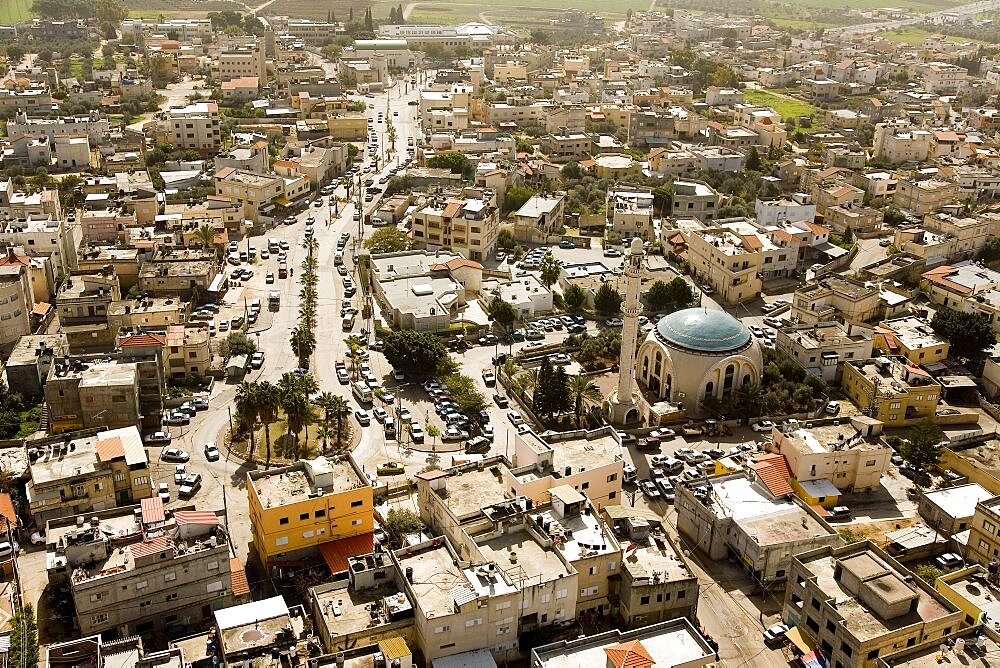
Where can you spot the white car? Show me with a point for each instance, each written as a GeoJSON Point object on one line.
{"type": "Point", "coordinates": [398, 375]}
{"type": "Point", "coordinates": [515, 418]}
{"type": "Point", "coordinates": [489, 378]}
{"type": "Point", "coordinates": [417, 432]}
{"type": "Point", "coordinates": [158, 437]}
{"type": "Point", "coordinates": [211, 452]}
{"type": "Point", "coordinates": [762, 425]}
{"type": "Point", "coordinates": [163, 491]}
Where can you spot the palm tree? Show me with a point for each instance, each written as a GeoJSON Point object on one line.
{"type": "Point", "coordinates": [527, 381]}
{"type": "Point", "coordinates": [303, 342]}
{"type": "Point", "coordinates": [248, 409]}
{"type": "Point", "coordinates": [269, 401]}
{"type": "Point", "coordinates": [205, 236]}
{"type": "Point", "coordinates": [341, 412]}
{"type": "Point", "coordinates": [291, 383]}
{"type": "Point", "coordinates": [324, 433]}
{"type": "Point", "coordinates": [326, 402]}
{"type": "Point", "coordinates": [297, 413]}
{"type": "Point", "coordinates": [509, 367]}
{"type": "Point", "coordinates": [581, 390]}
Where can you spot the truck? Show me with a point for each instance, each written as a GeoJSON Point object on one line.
{"type": "Point", "coordinates": [273, 300]}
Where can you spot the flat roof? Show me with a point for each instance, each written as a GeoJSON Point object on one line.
{"type": "Point", "coordinates": [278, 487]}
{"type": "Point", "coordinates": [471, 490]}
{"type": "Point", "coordinates": [435, 575]}
{"type": "Point", "coordinates": [532, 559]}
{"type": "Point", "coordinates": [959, 501]}
{"type": "Point", "coordinates": [671, 643]}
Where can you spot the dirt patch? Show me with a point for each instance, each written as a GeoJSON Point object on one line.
{"type": "Point", "coordinates": [876, 531]}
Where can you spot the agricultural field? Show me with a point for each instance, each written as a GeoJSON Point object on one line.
{"type": "Point", "coordinates": [912, 5]}
{"type": "Point", "coordinates": [151, 9]}
{"type": "Point", "coordinates": [788, 108]}
{"type": "Point", "coordinates": [14, 11]}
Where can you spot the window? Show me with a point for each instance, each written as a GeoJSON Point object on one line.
{"type": "Point", "coordinates": [473, 622]}
{"type": "Point", "coordinates": [169, 576]}
{"type": "Point", "coordinates": [99, 619]}
{"type": "Point", "coordinates": [172, 596]}
{"type": "Point", "coordinates": [812, 624]}
{"type": "Point", "coordinates": [588, 591]}
{"type": "Point", "coordinates": [644, 600]}
{"type": "Point", "coordinates": [212, 565]}
{"type": "Point", "coordinates": [446, 646]}
{"type": "Point", "coordinates": [142, 584]}
{"type": "Point", "coordinates": [283, 521]}
{"type": "Point", "coordinates": [281, 540]}
{"type": "Point", "coordinates": [442, 629]}
{"type": "Point", "coordinates": [870, 462]}
{"type": "Point", "coordinates": [320, 513]}
{"type": "Point", "coordinates": [612, 477]}
{"type": "Point", "coordinates": [831, 627]}
{"type": "Point", "coordinates": [561, 593]}
{"type": "Point", "coordinates": [503, 630]}
{"type": "Point", "coordinates": [989, 527]}
{"type": "Point", "coordinates": [612, 495]}
{"type": "Point", "coordinates": [308, 534]}
{"type": "Point", "coordinates": [94, 598]}
{"type": "Point", "coordinates": [681, 594]}
{"type": "Point", "coordinates": [846, 649]}
{"type": "Point", "coordinates": [585, 485]}
{"type": "Point", "coordinates": [119, 477]}
{"type": "Point", "coordinates": [214, 586]}
{"type": "Point", "coordinates": [303, 517]}
{"type": "Point", "coordinates": [872, 655]}
{"type": "Point", "coordinates": [503, 606]}
{"type": "Point", "coordinates": [355, 523]}
{"type": "Point", "coordinates": [357, 504]}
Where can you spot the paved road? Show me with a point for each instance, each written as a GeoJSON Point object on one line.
{"type": "Point", "coordinates": [968, 9]}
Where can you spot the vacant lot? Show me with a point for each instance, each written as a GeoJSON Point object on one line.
{"type": "Point", "coordinates": [788, 108]}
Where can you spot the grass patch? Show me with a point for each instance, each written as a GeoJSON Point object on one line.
{"type": "Point", "coordinates": [785, 107]}
{"type": "Point", "coordinates": [15, 11]}
{"type": "Point", "coordinates": [283, 443]}
{"type": "Point", "coordinates": [916, 37]}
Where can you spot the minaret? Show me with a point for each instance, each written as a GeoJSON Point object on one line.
{"type": "Point", "coordinates": [622, 404]}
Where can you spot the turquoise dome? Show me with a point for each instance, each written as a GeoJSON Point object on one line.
{"type": "Point", "coordinates": [704, 330]}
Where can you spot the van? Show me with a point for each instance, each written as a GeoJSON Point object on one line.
{"type": "Point", "coordinates": [362, 392]}
{"type": "Point", "coordinates": [672, 466]}
{"type": "Point", "coordinates": [348, 323]}
{"type": "Point", "coordinates": [840, 513]}
{"type": "Point", "coordinates": [273, 245]}
{"type": "Point", "coordinates": [390, 427]}
{"type": "Point", "coordinates": [274, 300]}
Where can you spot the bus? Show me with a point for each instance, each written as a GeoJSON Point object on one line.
{"type": "Point", "coordinates": [362, 391]}
{"type": "Point", "coordinates": [282, 270]}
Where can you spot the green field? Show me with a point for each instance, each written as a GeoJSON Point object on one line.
{"type": "Point", "coordinates": [787, 108]}
{"type": "Point", "coordinates": [801, 24]}
{"type": "Point", "coordinates": [916, 36]}
{"type": "Point", "coordinates": [914, 5]}
{"type": "Point", "coordinates": [14, 11]}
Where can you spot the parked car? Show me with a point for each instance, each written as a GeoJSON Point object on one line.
{"type": "Point", "coordinates": [364, 419]}
{"type": "Point", "coordinates": [176, 417]}
{"type": "Point", "coordinates": [650, 490]}
{"type": "Point", "coordinates": [614, 322]}
{"type": "Point", "coordinates": [948, 560]}
{"type": "Point", "coordinates": [211, 452]}
{"type": "Point", "coordinates": [257, 360]}
{"type": "Point", "coordinates": [832, 407]}
{"type": "Point", "coordinates": [163, 491]}
{"type": "Point", "coordinates": [200, 404]}
{"type": "Point", "coordinates": [174, 455]}
{"type": "Point", "coordinates": [158, 437]}
{"type": "Point", "coordinates": [477, 445]}
{"type": "Point", "coordinates": [417, 432]}
{"type": "Point", "coordinates": [515, 418]}
{"type": "Point", "coordinates": [180, 470]}
{"type": "Point", "coordinates": [453, 433]}
{"type": "Point", "coordinates": [840, 513]}
{"type": "Point", "coordinates": [189, 486]}
{"type": "Point", "coordinates": [762, 425]}
{"type": "Point", "coordinates": [391, 468]}
{"type": "Point", "coordinates": [500, 400]}
{"type": "Point", "coordinates": [774, 636]}
{"type": "Point", "coordinates": [489, 378]}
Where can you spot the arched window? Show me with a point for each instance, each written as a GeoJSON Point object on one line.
{"type": "Point", "coordinates": [659, 364]}
{"type": "Point", "coordinates": [727, 383]}
{"type": "Point", "coordinates": [645, 367]}
{"type": "Point", "coordinates": [746, 380]}
{"type": "Point", "coordinates": [709, 389]}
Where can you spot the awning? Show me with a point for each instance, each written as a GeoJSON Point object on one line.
{"type": "Point", "coordinates": [282, 201]}
{"type": "Point", "coordinates": [814, 660]}
{"type": "Point", "coordinates": [795, 636]}
{"type": "Point", "coordinates": [337, 552]}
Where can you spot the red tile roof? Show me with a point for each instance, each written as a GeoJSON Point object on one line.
{"type": "Point", "coordinates": [773, 471]}
{"type": "Point", "coordinates": [336, 552]}
{"type": "Point", "coordinates": [7, 509]}
{"type": "Point", "coordinates": [143, 341]}
{"type": "Point", "coordinates": [110, 448]}
{"type": "Point", "coordinates": [151, 546]}
{"type": "Point", "coordinates": [152, 510]}
{"type": "Point", "coordinates": [239, 577]}
{"type": "Point", "coordinates": [630, 654]}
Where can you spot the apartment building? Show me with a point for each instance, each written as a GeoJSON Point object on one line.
{"type": "Point", "coordinates": [16, 304]}
{"type": "Point", "coordinates": [135, 571]}
{"type": "Point", "coordinates": [539, 217]}
{"type": "Point", "coordinates": [186, 351]}
{"type": "Point", "coordinates": [727, 261]}
{"type": "Point", "coordinates": [86, 472]}
{"type": "Point", "coordinates": [81, 395]}
{"type": "Point", "coordinates": [591, 464]}
{"type": "Point", "coordinates": [891, 389]}
{"type": "Point", "coordinates": [241, 58]}
{"type": "Point", "coordinates": [822, 348]}
{"type": "Point", "coordinates": [255, 193]}
{"type": "Point", "coordinates": [923, 196]}
{"type": "Point", "coordinates": [295, 510]}
{"type": "Point", "coordinates": [781, 210]}
{"type": "Point", "coordinates": [630, 212]}
{"type": "Point", "coordinates": [195, 126]}
{"type": "Point", "coordinates": [675, 643]}
{"type": "Point", "coordinates": [944, 78]}
{"type": "Point", "coordinates": [856, 603]}
{"type": "Point", "coordinates": [911, 337]}
{"type": "Point", "coordinates": [896, 144]}
{"type": "Point", "coordinates": [44, 235]}
{"type": "Point", "coordinates": [657, 584]}
{"type": "Point", "coordinates": [695, 199]}
{"type": "Point", "coordinates": [832, 192]}
{"type": "Point", "coordinates": [984, 532]}
{"type": "Point", "coordinates": [954, 285]}
{"type": "Point", "coordinates": [751, 520]}
{"type": "Point", "coordinates": [836, 298]}
{"type": "Point", "coordinates": [566, 146]}
{"type": "Point", "coordinates": [844, 455]}
{"type": "Point", "coordinates": [970, 233]}
{"type": "Point", "coordinates": [659, 128]}
{"type": "Point", "coordinates": [465, 225]}
{"type": "Point", "coordinates": [178, 273]}
{"type": "Point", "coordinates": [94, 126]}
